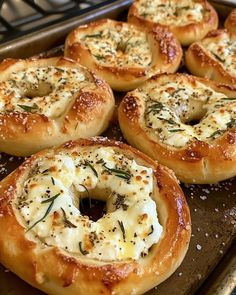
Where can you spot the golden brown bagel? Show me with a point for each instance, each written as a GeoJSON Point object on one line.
{"type": "Point", "coordinates": [52, 268]}
{"type": "Point", "coordinates": [156, 118]}
{"type": "Point", "coordinates": [230, 22]}
{"type": "Point", "coordinates": [214, 57]}
{"type": "Point", "coordinates": [45, 102]}
{"type": "Point", "coordinates": [189, 21]}
{"type": "Point", "coordinates": [123, 54]}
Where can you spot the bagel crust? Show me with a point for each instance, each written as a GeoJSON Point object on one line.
{"type": "Point", "coordinates": [230, 22]}
{"type": "Point", "coordinates": [56, 270]}
{"type": "Point", "coordinates": [156, 118]}
{"type": "Point", "coordinates": [123, 54]}
{"type": "Point", "coordinates": [214, 57]}
{"type": "Point", "coordinates": [45, 102]}
{"type": "Point", "coordinates": [189, 21]}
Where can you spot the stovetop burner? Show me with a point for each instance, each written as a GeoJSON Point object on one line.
{"type": "Point", "coordinates": [20, 17]}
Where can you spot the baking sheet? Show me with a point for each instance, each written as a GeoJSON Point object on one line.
{"type": "Point", "coordinates": [209, 266]}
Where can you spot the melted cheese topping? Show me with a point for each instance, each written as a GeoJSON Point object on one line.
{"type": "Point", "coordinates": [49, 204]}
{"type": "Point", "coordinates": [118, 46]}
{"type": "Point", "coordinates": [172, 106]}
{"type": "Point", "coordinates": [223, 50]}
{"type": "Point", "coordinates": [46, 90]}
{"type": "Point", "coordinates": [171, 12]}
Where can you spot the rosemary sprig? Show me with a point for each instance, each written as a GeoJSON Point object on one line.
{"type": "Point", "coordinates": [228, 98]}
{"type": "Point", "coordinates": [50, 199]}
{"type": "Point", "coordinates": [217, 57]}
{"type": "Point", "coordinates": [155, 108]}
{"type": "Point", "coordinates": [176, 130]}
{"type": "Point", "coordinates": [231, 123]}
{"type": "Point", "coordinates": [151, 231]}
{"type": "Point", "coordinates": [122, 45]}
{"type": "Point", "coordinates": [46, 213]}
{"type": "Point", "coordinates": [90, 204]}
{"type": "Point", "coordinates": [215, 133]}
{"type": "Point", "coordinates": [122, 228]}
{"type": "Point", "coordinates": [118, 172]}
{"type": "Point", "coordinates": [96, 35]}
{"type": "Point", "coordinates": [170, 121]}
{"type": "Point", "coordinates": [53, 181]}
{"type": "Point", "coordinates": [84, 252]}
{"type": "Point", "coordinates": [60, 70]}
{"type": "Point", "coordinates": [99, 57]}
{"type": "Point", "coordinates": [87, 163]}
{"type": "Point", "coordinates": [66, 220]}
{"type": "Point", "coordinates": [28, 108]}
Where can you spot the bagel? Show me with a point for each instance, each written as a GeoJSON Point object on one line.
{"type": "Point", "coordinates": [230, 22]}
{"type": "Point", "coordinates": [123, 54]}
{"type": "Point", "coordinates": [188, 20]}
{"type": "Point", "coordinates": [158, 118]}
{"type": "Point", "coordinates": [214, 57]}
{"type": "Point", "coordinates": [45, 102]}
{"type": "Point", "coordinates": [138, 243]}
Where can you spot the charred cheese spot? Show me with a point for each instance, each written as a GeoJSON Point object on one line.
{"type": "Point", "coordinates": [49, 204]}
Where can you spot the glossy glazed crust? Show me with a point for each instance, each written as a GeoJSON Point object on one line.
{"type": "Point", "coordinates": [230, 22]}
{"type": "Point", "coordinates": [165, 49]}
{"type": "Point", "coordinates": [186, 34]}
{"type": "Point", "coordinates": [198, 162]}
{"type": "Point", "coordinates": [200, 63]}
{"type": "Point", "coordinates": [56, 272]}
{"type": "Point", "coordinates": [88, 114]}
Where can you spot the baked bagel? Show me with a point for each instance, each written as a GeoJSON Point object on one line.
{"type": "Point", "coordinates": [45, 102]}
{"type": "Point", "coordinates": [123, 54]}
{"type": "Point", "coordinates": [186, 123]}
{"type": "Point", "coordinates": [214, 57]}
{"type": "Point", "coordinates": [230, 22]}
{"type": "Point", "coordinates": [138, 243]}
{"type": "Point", "coordinates": [188, 20]}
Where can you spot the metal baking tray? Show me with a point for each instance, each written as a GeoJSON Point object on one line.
{"type": "Point", "coordinates": [210, 264]}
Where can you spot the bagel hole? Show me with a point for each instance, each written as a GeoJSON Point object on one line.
{"type": "Point", "coordinates": [94, 203]}
{"type": "Point", "coordinates": [195, 113]}
{"type": "Point", "coordinates": [93, 208]}
{"type": "Point", "coordinates": [42, 89]}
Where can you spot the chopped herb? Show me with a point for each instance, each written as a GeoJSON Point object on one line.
{"type": "Point", "coordinates": [215, 133]}
{"type": "Point", "coordinates": [217, 57]}
{"type": "Point", "coordinates": [170, 121]}
{"type": "Point", "coordinates": [87, 163]}
{"type": "Point", "coordinates": [119, 173]}
{"type": "Point", "coordinates": [152, 229]}
{"type": "Point", "coordinates": [66, 220]}
{"type": "Point", "coordinates": [122, 228]}
{"type": "Point", "coordinates": [76, 125]}
{"type": "Point", "coordinates": [176, 130]}
{"type": "Point", "coordinates": [101, 161]}
{"type": "Point", "coordinates": [60, 70]}
{"type": "Point", "coordinates": [53, 181]}
{"type": "Point", "coordinates": [50, 199]}
{"type": "Point", "coordinates": [45, 171]}
{"type": "Point", "coordinates": [99, 57]}
{"type": "Point", "coordinates": [96, 35]}
{"type": "Point", "coordinates": [228, 98]}
{"type": "Point", "coordinates": [122, 45]}
{"type": "Point", "coordinates": [231, 123]}
{"type": "Point", "coordinates": [155, 108]}
{"type": "Point", "coordinates": [45, 215]}
{"type": "Point", "coordinates": [28, 108]}
{"type": "Point", "coordinates": [84, 252]}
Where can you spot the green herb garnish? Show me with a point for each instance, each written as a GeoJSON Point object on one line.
{"type": "Point", "coordinates": [28, 108]}
{"type": "Point", "coordinates": [122, 228]}
{"type": "Point", "coordinates": [152, 229]}
{"type": "Point", "coordinates": [176, 130]}
{"type": "Point", "coordinates": [122, 45]}
{"type": "Point", "coordinates": [84, 252]}
{"type": "Point", "coordinates": [47, 211]}
{"type": "Point", "coordinates": [66, 220]}
{"type": "Point", "coordinates": [215, 133]}
{"type": "Point", "coordinates": [99, 57]}
{"type": "Point", "coordinates": [50, 199]}
{"type": "Point", "coordinates": [60, 70]}
{"type": "Point", "coordinates": [96, 35]}
{"type": "Point", "coordinates": [231, 123]}
{"type": "Point", "coordinates": [87, 163]}
{"type": "Point", "coordinates": [53, 181]}
{"type": "Point", "coordinates": [228, 98]}
{"type": "Point", "coordinates": [217, 57]}
{"type": "Point", "coordinates": [118, 172]}
{"type": "Point", "coordinates": [170, 121]}
{"type": "Point", "coordinates": [155, 108]}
